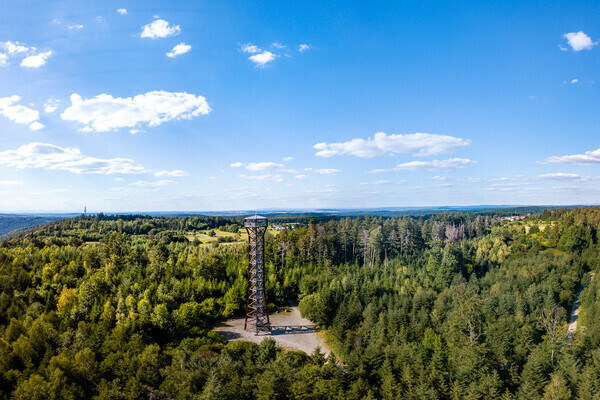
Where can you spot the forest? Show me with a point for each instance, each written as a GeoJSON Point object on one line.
{"type": "Point", "coordinates": [445, 306]}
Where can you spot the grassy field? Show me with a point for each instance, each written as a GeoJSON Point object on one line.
{"type": "Point", "coordinates": [207, 240]}
{"type": "Point", "coordinates": [237, 238]}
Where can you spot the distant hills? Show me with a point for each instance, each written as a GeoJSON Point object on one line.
{"type": "Point", "coordinates": [13, 224]}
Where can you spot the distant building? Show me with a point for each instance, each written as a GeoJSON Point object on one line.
{"type": "Point", "coordinates": [512, 218]}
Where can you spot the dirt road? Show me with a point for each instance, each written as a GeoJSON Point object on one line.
{"type": "Point", "coordinates": [572, 328]}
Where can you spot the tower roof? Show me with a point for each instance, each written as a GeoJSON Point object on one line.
{"type": "Point", "coordinates": [255, 221]}
{"type": "Point", "coordinates": [255, 217]}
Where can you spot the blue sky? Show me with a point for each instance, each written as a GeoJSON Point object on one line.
{"type": "Point", "coordinates": [182, 106]}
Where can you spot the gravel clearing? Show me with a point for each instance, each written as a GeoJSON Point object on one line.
{"type": "Point", "coordinates": [288, 328]}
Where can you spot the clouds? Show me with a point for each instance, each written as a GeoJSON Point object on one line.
{"type": "Point", "coordinates": [417, 144]}
{"type": "Point", "coordinates": [324, 171]}
{"type": "Point", "coordinates": [266, 166]}
{"type": "Point", "coordinates": [587, 158]}
{"type": "Point", "coordinates": [451, 164]}
{"type": "Point", "coordinates": [122, 11]}
{"type": "Point", "coordinates": [105, 112]}
{"type": "Point", "coordinates": [263, 166]}
{"type": "Point", "coordinates": [250, 48]}
{"type": "Point", "coordinates": [159, 28]}
{"type": "Point", "coordinates": [380, 182]}
{"type": "Point", "coordinates": [179, 49]}
{"type": "Point", "coordinates": [37, 60]}
{"type": "Point", "coordinates": [579, 41]}
{"type": "Point", "coordinates": [51, 105]}
{"type": "Point", "coordinates": [19, 113]}
{"type": "Point", "coordinates": [275, 172]}
{"type": "Point", "coordinates": [16, 47]}
{"type": "Point", "coordinates": [175, 173]}
{"type": "Point", "coordinates": [15, 50]}
{"type": "Point", "coordinates": [560, 176]}
{"type": "Point", "coordinates": [262, 59]}
{"type": "Point", "coordinates": [11, 183]}
{"type": "Point", "coordinates": [151, 184]}
{"type": "Point", "coordinates": [51, 157]}
{"type": "Point", "coordinates": [264, 177]}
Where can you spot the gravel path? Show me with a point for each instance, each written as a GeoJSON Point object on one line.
{"type": "Point", "coordinates": [288, 328]}
{"type": "Point", "coordinates": [575, 312]}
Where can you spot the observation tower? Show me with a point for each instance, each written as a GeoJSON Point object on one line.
{"type": "Point", "coordinates": [257, 315]}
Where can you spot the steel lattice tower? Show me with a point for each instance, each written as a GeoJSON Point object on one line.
{"type": "Point", "coordinates": [256, 309]}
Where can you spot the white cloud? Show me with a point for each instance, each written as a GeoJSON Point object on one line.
{"type": "Point", "coordinates": [562, 48]}
{"type": "Point", "coordinates": [48, 156]}
{"type": "Point", "coordinates": [566, 187]}
{"type": "Point", "coordinates": [19, 113]}
{"type": "Point", "coordinates": [151, 184]}
{"type": "Point", "coordinates": [263, 58]}
{"type": "Point", "coordinates": [263, 166]}
{"type": "Point", "coordinates": [179, 49]}
{"type": "Point", "coordinates": [264, 177]}
{"type": "Point", "coordinates": [51, 105]}
{"type": "Point", "coordinates": [159, 29]}
{"type": "Point", "coordinates": [303, 47]}
{"type": "Point", "coordinates": [587, 158]}
{"type": "Point", "coordinates": [36, 126]}
{"type": "Point", "coordinates": [75, 27]}
{"type": "Point", "coordinates": [11, 183]}
{"type": "Point", "coordinates": [175, 173]}
{"type": "Point", "coordinates": [418, 144]}
{"type": "Point", "coordinates": [574, 81]}
{"type": "Point", "coordinates": [451, 164]}
{"type": "Point", "coordinates": [579, 41]}
{"type": "Point", "coordinates": [250, 48]}
{"type": "Point", "coordinates": [300, 176]}
{"type": "Point", "coordinates": [560, 176]}
{"type": "Point", "coordinates": [104, 112]}
{"type": "Point", "coordinates": [122, 11]}
{"type": "Point", "coordinates": [15, 47]}
{"type": "Point", "coordinates": [472, 180]}
{"type": "Point", "coordinates": [324, 171]}
{"type": "Point", "coordinates": [287, 159]}
{"type": "Point", "coordinates": [37, 60]}
{"type": "Point", "coordinates": [278, 45]}
{"type": "Point", "coordinates": [381, 182]}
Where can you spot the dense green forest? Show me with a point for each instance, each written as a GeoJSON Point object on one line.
{"type": "Point", "coordinates": [450, 306]}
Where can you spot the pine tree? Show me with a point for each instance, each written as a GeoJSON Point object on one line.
{"type": "Point", "coordinates": [212, 388]}
{"type": "Point", "coordinates": [557, 389]}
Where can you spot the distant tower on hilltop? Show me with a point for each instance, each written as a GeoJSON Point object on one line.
{"type": "Point", "coordinates": [257, 315]}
